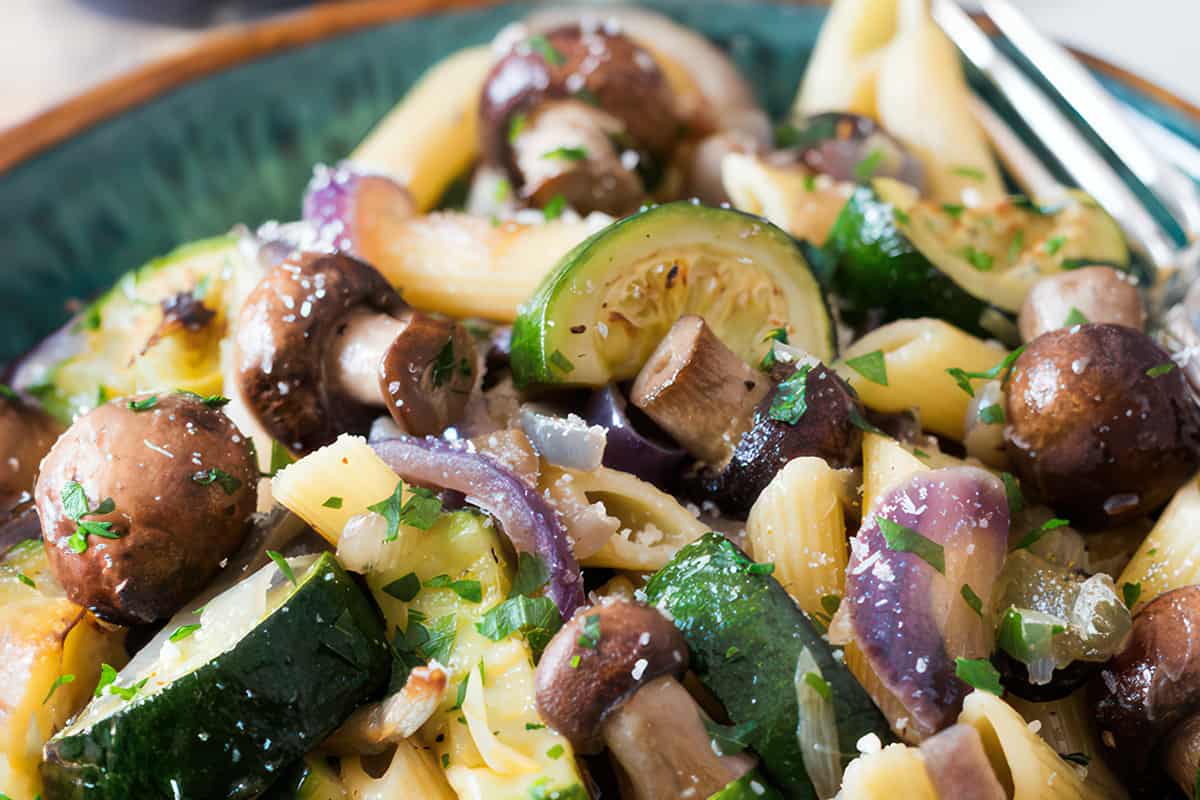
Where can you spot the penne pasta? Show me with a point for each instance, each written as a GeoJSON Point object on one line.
{"type": "Point", "coordinates": [798, 524]}
{"type": "Point", "coordinates": [1170, 556]}
{"type": "Point", "coordinates": [887, 462]}
{"type": "Point", "coordinates": [917, 353]}
{"type": "Point", "coordinates": [888, 60]}
{"type": "Point", "coordinates": [896, 771]}
{"type": "Point", "coordinates": [411, 773]}
{"type": "Point", "coordinates": [618, 520]}
{"type": "Point", "coordinates": [804, 205]}
{"type": "Point", "coordinates": [432, 136]}
{"type": "Point", "coordinates": [1068, 726]}
{"type": "Point", "coordinates": [1027, 766]}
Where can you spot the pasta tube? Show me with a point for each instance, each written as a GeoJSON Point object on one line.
{"type": "Point", "coordinates": [412, 773]}
{"type": "Point", "coordinates": [896, 771]}
{"type": "Point", "coordinates": [1170, 556]}
{"type": "Point", "coordinates": [1069, 727]}
{"type": "Point", "coordinates": [804, 205]}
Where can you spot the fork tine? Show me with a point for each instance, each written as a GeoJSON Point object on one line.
{"type": "Point", "coordinates": [1060, 136]}
{"type": "Point", "coordinates": [1018, 158]}
{"type": "Point", "coordinates": [1099, 110]}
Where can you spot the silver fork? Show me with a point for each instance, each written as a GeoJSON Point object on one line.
{"type": "Point", "coordinates": [1176, 266]}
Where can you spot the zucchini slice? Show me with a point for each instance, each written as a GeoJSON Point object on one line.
{"type": "Point", "coordinates": [273, 668]}
{"type": "Point", "coordinates": [126, 343]}
{"type": "Point", "coordinates": [746, 636]}
{"type": "Point", "coordinates": [916, 258]}
{"type": "Point", "coordinates": [597, 317]}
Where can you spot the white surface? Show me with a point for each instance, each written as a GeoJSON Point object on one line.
{"type": "Point", "coordinates": [52, 49]}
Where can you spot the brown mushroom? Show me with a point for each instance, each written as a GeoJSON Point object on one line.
{"type": "Point", "coordinates": [720, 411]}
{"type": "Point", "coordinates": [26, 434]}
{"type": "Point", "coordinates": [610, 677]}
{"type": "Point", "coordinates": [1101, 425]}
{"type": "Point", "coordinates": [560, 111]}
{"type": "Point", "coordinates": [324, 344]}
{"type": "Point", "coordinates": [1090, 294]}
{"type": "Point", "coordinates": [142, 500]}
{"type": "Point", "coordinates": [1147, 698]}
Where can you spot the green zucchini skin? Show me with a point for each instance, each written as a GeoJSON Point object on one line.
{"type": "Point", "coordinates": [719, 605]}
{"type": "Point", "coordinates": [750, 786]}
{"type": "Point", "coordinates": [228, 729]}
{"type": "Point", "coordinates": [877, 267]}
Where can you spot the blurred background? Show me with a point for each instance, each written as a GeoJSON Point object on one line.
{"type": "Point", "coordinates": [53, 49]}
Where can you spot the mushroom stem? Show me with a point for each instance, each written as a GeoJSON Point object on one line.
{"type": "Point", "coordinates": [1182, 757]}
{"type": "Point", "coordinates": [699, 390]}
{"type": "Point", "coordinates": [357, 350]}
{"type": "Point", "coordinates": [682, 762]}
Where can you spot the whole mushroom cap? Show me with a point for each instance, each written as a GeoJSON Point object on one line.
{"type": "Point", "coordinates": [26, 435]}
{"type": "Point", "coordinates": [1101, 425]}
{"type": "Point", "coordinates": [183, 481]}
{"type": "Point", "coordinates": [283, 331]}
{"type": "Point", "coordinates": [604, 69]}
{"type": "Point", "coordinates": [633, 645]}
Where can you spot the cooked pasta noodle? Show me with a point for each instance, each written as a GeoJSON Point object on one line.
{"type": "Point", "coordinates": [412, 773]}
{"type": "Point", "coordinates": [887, 462]}
{"type": "Point", "coordinates": [1067, 726]}
{"type": "Point", "coordinates": [917, 353]}
{"type": "Point", "coordinates": [1170, 556]}
{"type": "Point", "coordinates": [798, 524]}
{"type": "Point", "coordinates": [804, 205]}
{"type": "Point", "coordinates": [896, 771]}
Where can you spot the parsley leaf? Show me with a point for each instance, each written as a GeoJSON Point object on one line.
{"type": "Point", "coordinates": [964, 378]}
{"type": "Point", "coordinates": [532, 575]}
{"type": "Point", "coordinates": [1160, 369]}
{"type": "Point", "coordinates": [763, 568]}
{"type": "Point", "coordinates": [535, 617]}
{"type": "Point", "coordinates": [974, 173]}
{"type": "Point", "coordinates": [108, 674]}
{"type": "Point", "coordinates": [566, 154]}
{"type": "Point", "coordinates": [1074, 317]}
{"type": "Point", "coordinates": [227, 482]}
{"type": "Point", "coordinates": [561, 362]}
{"type": "Point", "coordinates": [76, 506]}
{"type": "Point", "coordinates": [25, 579]}
{"type": "Point", "coordinates": [404, 589]}
{"type": "Point", "coordinates": [865, 169]}
{"type": "Point", "coordinates": [979, 673]}
{"type": "Point", "coordinates": [819, 685]}
{"type": "Point", "coordinates": [184, 631]}
{"type": "Point", "coordinates": [211, 400]}
{"type": "Point", "coordinates": [1031, 538]}
{"type": "Point", "coordinates": [420, 511]}
{"type": "Point", "coordinates": [992, 414]}
{"type": "Point", "coordinates": [1131, 591]}
{"type": "Point", "coordinates": [590, 637]}
{"type": "Point", "coordinates": [7, 392]}
{"type": "Point", "coordinates": [555, 752]}
{"type": "Point", "coordinates": [1012, 492]}
{"type": "Point", "coordinates": [443, 364]}
{"type": "Point", "coordinates": [469, 590]}
{"type": "Point", "coordinates": [333, 502]}
{"type": "Point", "coordinates": [871, 366]}
{"type": "Point", "coordinates": [541, 45]}
{"type": "Point", "coordinates": [61, 680]}
{"type": "Point", "coordinates": [145, 404]}
{"type": "Point", "coordinates": [1054, 244]}
{"type": "Point", "coordinates": [1028, 635]}
{"type": "Point", "coordinates": [283, 566]}
{"type": "Point", "coordinates": [554, 207]}
{"type": "Point", "coordinates": [978, 259]}
{"type": "Point", "coordinates": [729, 740]}
{"type": "Point", "coordinates": [906, 540]}
{"type": "Point", "coordinates": [1082, 759]}
{"type": "Point", "coordinates": [442, 635]}
{"type": "Point", "coordinates": [516, 124]}
{"type": "Point", "coordinates": [954, 209]}
{"type": "Point", "coordinates": [280, 458]}
{"type": "Point", "coordinates": [973, 600]}
{"type": "Point", "coordinates": [789, 403]}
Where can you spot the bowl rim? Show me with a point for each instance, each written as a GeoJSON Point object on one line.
{"type": "Point", "coordinates": [229, 47]}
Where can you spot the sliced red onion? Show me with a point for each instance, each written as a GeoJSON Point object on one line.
{"type": "Point", "coordinates": [36, 365]}
{"type": "Point", "coordinates": [627, 449]}
{"type": "Point", "coordinates": [958, 765]}
{"type": "Point", "coordinates": [526, 519]}
{"type": "Point", "coordinates": [908, 610]}
{"type": "Point", "coordinates": [842, 146]}
{"type": "Point", "coordinates": [563, 441]}
{"type": "Point", "coordinates": [352, 207]}
{"type": "Point", "coordinates": [19, 527]}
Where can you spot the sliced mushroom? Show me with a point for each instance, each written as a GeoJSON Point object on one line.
{"type": "Point", "coordinates": [1090, 294]}
{"type": "Point", "coordinates": [324, 344]}
{"type": "Point", "coordinates": [1147, 698]}
{"type": "Point", "coordinates": [1101, 425]}
{"type": "Point", "coordinates": [561, 110]}
{"type": "Point", "coordinates": [141, 502]}
{"type": "Point", "coordinates": [26, 435]}
{"type": "Point", "coordinates": [610, 677]}
{"type": "Point", "coordinates": [958, 765]}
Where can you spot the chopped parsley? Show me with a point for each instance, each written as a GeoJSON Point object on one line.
{"type": "Point", "coordinates": [871, 366]}
{"type": "Point", "coordinates": [901, 216]}
{"type": "Point", "coordinates": [532, 575]}
{"type": "Point", "coordinates": [333, 502]}
{"type": "Point", "coordinates": [590, 637]}
{"type": "Point", "coordinates": [211, 400]}
{"type": "Point", "coordinates": [280, 458]}
{"type": "Point", "coordinates": [61, 680]}
{"type": "Point", "coordinates": [76, 506]}
{"type": "Point", "coordinates": [25, 579]}
{"type": "Point", "coordinates": [866, 169]}
{"type": "Point", "coordinates": [283, 566]}
{"type": "Point", "coordinates": [561, 362]}
{"type": "Point", "coordinates": [404, 589]}
{"type": "Point", "coordinates": [516, 125]}
{"type": "Point", "coordinates": [469, 590]}
{"type": "Point", "coordinates": [861, 422]}
{"type": "Point", "coordinates": [978, 259]}
{"type": "Point", "coordinates": [1075, 317]}
{"type": "Point", "coordinates": [184, 631]}
{"type": "Point", "coordinates": [537, 618]}
{"type": "Point", "coordinates": [1130, 592]}
{"type": "Point", "coordinates": [789, 403]}
{"type": "Point", "coordinates": [555, 752]}
{"type": "Point", "coordinates": [979, 673]}
{"type": "Point", "coordinates": [1027, 635]}
{"type": "Point", "coordinates": [503, 190]}
{"type": "Point", "coordinates": [145, 404]}
{"type": "Point", "coordinates": [7, 392]}
{"type": "Point", "coordinates": [1031, 538]}
{"type": "Point", "coordinates": [443, 364]}
{"type": "Point", "coordinates": [227, 482]}
{"type": "Point", "coordinates": [1012, 492]}
{"type": "Point", "coordinates": [566, 154]}
{"type": "Point", "coordinates": [964, 378]}
{"type": "Point", "coordinates": [1015, 246]}
{"type": "Point", "coordinates": [1054, 244]}
{"type": "Point", "coordinates": [1081, 759]}
{"type": "Point", "coordinates": [819, 685]}
{"type": "Point", "coordinates": [992, 414]}
{"type": "Point", "coordinates": [974, 173]}
{"type": "Point", "coordinates": [831, 603]}
{"type": "Point", "coordinates": [769, 360]}
{"type": "Point", "coordinates": [954, 209]}
{"type": "Point", "coordinates": [541, 45]}
{"type": "Point", "coordinates": [554, 207]}
{"type": "Point", "coordinates": [576, 660]}
{"type": "Point", "coordinates": [1160, 369]}
{"type": "Point", "coordinates": [764, 568]}
{"type": "Point", "coordinates": [810, 182]}
{"type": "Point", "coordinates": [534, 726]}
{"type": "Point", "coordinates": [972, 599]}
{"type": "Point", "coordinates": [420, 511]}
{"type": "Point", "coordinates": [729, 740]}
{"type": "Point", "coordinates": [906, 540]}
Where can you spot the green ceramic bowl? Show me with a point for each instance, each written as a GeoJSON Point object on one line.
{"type": "Point", "coordinates": [239, 146]}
